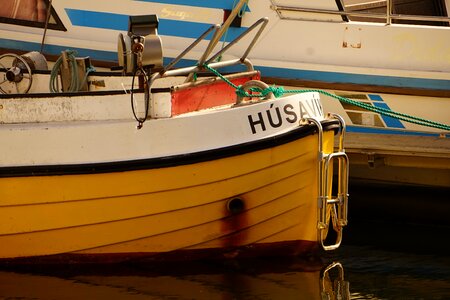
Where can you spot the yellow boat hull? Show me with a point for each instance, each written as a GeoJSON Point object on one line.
{"type": "Point", "coordinates": [258, 200]}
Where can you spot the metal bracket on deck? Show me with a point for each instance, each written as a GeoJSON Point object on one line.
{"type": "Point", "coordinates": [332, 207]}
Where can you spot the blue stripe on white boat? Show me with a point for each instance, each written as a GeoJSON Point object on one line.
{"type": "Point", "coordinates": [56, 50]}
{"type": "Point", "coordinates": [361, 129]}
{"type": "Point", "coordinates": [374, 97]}
{"type": "Point", "coordinates": [336, 77]}
{"type": "Point", "coordinates": [219, 4]}
{"type": "Point", "coordinates": [389, 121]}
{"type": "Point", "coordinates": [167, 27]}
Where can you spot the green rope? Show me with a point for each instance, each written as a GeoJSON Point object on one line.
{"type": "Point", "coordinates": [280, 91]}
{"type": "Point", "coordinates": [75, 84]}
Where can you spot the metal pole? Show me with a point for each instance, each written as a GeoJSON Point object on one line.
{"type": "Point", "coordinates": [388, 12]}
{"type": "Point", "coordinates": [225, 26]}
{"type": "Point", "coordinates": [46, 24]}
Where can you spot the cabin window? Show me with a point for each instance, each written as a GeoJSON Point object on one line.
{"type": "Point", "coordinates": [29, 13]}
{"type": "Point", "coordinates": [417, 10]}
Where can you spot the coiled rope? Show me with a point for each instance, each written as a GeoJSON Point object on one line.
{"type": "Point", "coordinates": [140, 72]}
{"type": "Point", "coordinates": [280, 91]}
{"type": "Point", "coordinates": [75, 84]}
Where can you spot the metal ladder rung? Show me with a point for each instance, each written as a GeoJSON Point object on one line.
{"type": "Point", "coordinates": [338, 204]}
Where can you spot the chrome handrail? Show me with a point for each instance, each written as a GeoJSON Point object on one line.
{"type": "Point", "coordinates": [262, 21]}
{"type": "Point", "coordinates": [167, 71]}
{"type": "Point", "coordinates": [193, 69]}
{"type": "Point", "coordinates": [188, 49]}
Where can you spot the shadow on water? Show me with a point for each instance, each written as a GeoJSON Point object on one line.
{"type": "Point", "coordinates": [395, 246]}
{"type": "Point", "coordinates": [402, 218]}
{"type": "Point", "coordinates": [386, 254]}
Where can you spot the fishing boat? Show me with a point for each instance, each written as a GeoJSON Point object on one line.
{"type": "Point", "coordinates": [163, 163]}
{"type": "Point", "coordinates": [387, 54]}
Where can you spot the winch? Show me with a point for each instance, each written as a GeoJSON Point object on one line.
{"type": "Point", "coordinates": [142, 46]}
{"type": "Point", "coordinates": [18, 75]}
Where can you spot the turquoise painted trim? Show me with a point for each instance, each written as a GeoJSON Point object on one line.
{"type": "Point", "coordinates": [167, 27]}
{"type": "Point", "coordinates": [372, 130]}
{"type": "Point", "coordinates": [335, 77]}
{"type": "Point", "coordinates": [374, 97]}
{"type": "Point", "coordinates": [217, 4]}
{"type": "Point", "coordinates": [389, 121]}
{"type": "Point", "coordinates": [181, 64]}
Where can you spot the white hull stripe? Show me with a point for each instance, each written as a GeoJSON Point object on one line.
{"type": "Point", "coordinates": [169, 161]}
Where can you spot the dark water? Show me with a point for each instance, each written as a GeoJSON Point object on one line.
{"type": "Point", "coordinates": [383, 257]}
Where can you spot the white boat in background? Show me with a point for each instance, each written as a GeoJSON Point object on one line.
{"type": "Point", "coordinates": [391, 54]}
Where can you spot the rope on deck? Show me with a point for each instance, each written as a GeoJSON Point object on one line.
{"type": "Point", "coordinates": [280, 91]}
{"type": "Point", "coordinates": [75, 83]}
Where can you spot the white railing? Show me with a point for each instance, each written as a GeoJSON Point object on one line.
{"type": "Point", "coordinates": [388, 15]}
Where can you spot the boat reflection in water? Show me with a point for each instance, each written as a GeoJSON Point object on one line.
{"type": "Point", "coordinates": [199, 280]}
{"type": "Point", "coordinates": [334, 287]}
